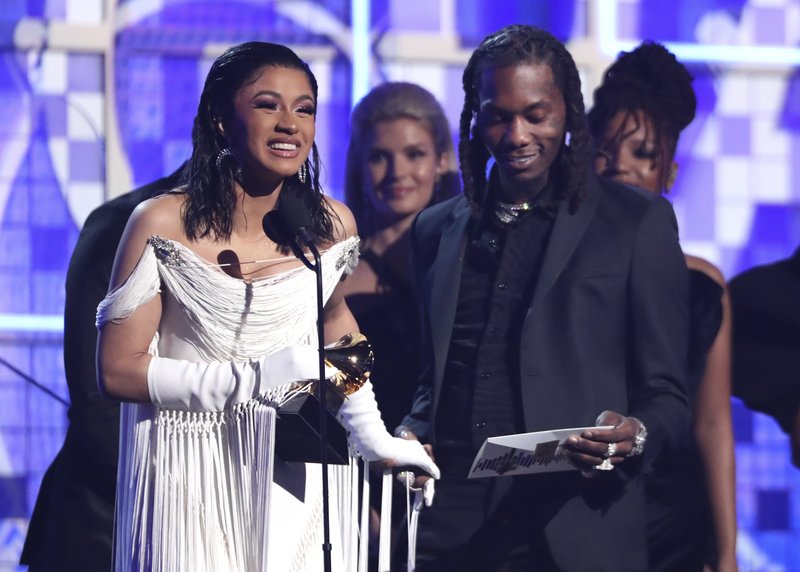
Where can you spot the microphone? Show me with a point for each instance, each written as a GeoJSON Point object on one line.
{"type": "Point", "coordinates": [288, 224]}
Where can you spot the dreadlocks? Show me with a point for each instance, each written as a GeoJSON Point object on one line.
{"type": "Point", "coordinates": [511, 46]}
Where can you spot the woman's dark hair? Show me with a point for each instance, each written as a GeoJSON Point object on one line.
{"type": "Point", "coordinates": [652, 81]}
{"type": "Point", "coordinates": [512, 46]}
{"type": "Point", "coordinates": [387, 102]}
{"type": "Point", "coordinates": [212, 169]}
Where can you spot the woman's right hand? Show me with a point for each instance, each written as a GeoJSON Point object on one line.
{"type": "Point", "coordinates": [200, 386]}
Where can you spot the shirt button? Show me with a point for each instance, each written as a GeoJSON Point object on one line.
{"type": "Point", "coordinates": [502, 286]}
{"type": "Point", "coordinates": [480, 424]}
{"type": "Point", "coordinates": [486, 375]}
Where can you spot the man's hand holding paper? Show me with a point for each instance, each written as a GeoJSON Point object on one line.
{"type": "Point", "coordinates": [615, 438]}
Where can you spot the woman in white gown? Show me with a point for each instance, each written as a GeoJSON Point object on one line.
{"type": "Point", "coordinates": [207, 325]}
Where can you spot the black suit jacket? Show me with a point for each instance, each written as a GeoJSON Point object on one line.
{"type": "Point", "coordinates": [765, 303]}
{"type": "Point", "coordinates": [607, 329]}
{"type": "Point", "coordinates": [72, 522]}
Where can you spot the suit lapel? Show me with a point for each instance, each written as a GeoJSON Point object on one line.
{"type": "Point", "coordinates": [568, 230]}
{"type": "Point", "coordinates": [445, 281]}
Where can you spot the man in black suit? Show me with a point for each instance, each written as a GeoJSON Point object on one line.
{"type": "Point", "coordinates": [550, 298]}
{"type": "Point", "coordinates": [765, 304]}
{"type": "Point", "coordinates": [72, 523]}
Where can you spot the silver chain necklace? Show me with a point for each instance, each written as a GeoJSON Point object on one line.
{"type": "Point", "coordinates": [511, 212]}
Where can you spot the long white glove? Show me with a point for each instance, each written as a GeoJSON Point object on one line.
{"type": "Point", "coordinates": [359, 414]}
{"type": "Point", "coordinates": [198, 386]}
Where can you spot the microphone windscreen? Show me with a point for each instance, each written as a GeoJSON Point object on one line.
{"type": "Point", "coordinates": [288, 224]}
{"type": "Point", "coordinates": [275, 228]}
{"type": "Point", "coordinates": [294, 213]}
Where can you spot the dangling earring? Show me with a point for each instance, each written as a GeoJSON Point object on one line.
{"type": "Point", "coordinates": [226, 152]}
{"type": "Point", "coordinates": [302, 172]}
{"type": "Point", "coordinates": [237, 164]}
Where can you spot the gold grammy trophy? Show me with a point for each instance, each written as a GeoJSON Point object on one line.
{"type": "Point", "coordinates": [352, 356]}
{"type": "Point", "coordinates": [297, 426]}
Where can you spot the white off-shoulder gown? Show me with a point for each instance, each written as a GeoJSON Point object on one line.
{"type": "Point", "coordinates": [202, 491]}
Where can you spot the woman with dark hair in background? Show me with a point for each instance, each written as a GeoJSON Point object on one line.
{"type": "Point", "coordinates": [209, 327]}
{"type": "Point", "coordinates": [644, 102]}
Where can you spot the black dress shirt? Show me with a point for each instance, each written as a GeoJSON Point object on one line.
{"type": "Point", "coordinates": [480, 395]}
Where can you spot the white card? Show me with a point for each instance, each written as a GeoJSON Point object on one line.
{"type": "Point", "coordinates": [525, 453]}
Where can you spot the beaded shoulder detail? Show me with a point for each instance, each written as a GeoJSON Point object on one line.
{"type": "Point", "coordinates": [348, 258]}
{"type": "Point", "coordinates": [165, 250]}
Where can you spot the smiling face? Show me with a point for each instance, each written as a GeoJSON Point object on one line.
{"type": "Point", "coordinates": [629, 153]}
{"type": "Point", "coordinates": [272, 126]}
{"type": "Point", "coordinates": [521, 120]}
{"type": "Point", "coordinates": [401, 168]}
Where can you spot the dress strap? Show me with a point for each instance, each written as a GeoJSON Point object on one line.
{"type": "Point", "coordinates": [140, 287]}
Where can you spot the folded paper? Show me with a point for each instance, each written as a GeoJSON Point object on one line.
{"type": "Point", "coordinates": [525, 453]}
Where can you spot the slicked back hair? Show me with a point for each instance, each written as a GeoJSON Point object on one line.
{"type": "Point", "coordinates": [519, 45]}
{"type": "Point", "coordinates": [211, 196]}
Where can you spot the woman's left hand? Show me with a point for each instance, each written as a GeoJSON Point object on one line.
{"type": "Point", "coordinates": [412, 480]}
{"type": "Point", "coordinates": [603, 448]}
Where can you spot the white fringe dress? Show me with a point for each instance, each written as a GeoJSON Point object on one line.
{"type": "Point", "coordinates": [202, 491]}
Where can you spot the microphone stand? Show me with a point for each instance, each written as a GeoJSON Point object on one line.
{"type": "Point", "coordinates": [321, 388]}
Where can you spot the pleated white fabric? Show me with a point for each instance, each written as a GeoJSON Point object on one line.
{"type": "Point", "coordinates": [202, 491]}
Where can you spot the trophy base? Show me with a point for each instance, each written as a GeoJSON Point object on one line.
{"type": "Point", "coordinates": [297, 437]}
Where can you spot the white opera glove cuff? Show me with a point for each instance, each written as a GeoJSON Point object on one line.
{"type": "Point", "coordinates": [200, 386]}
{"type": "Point", "coordinates": [359, 414]}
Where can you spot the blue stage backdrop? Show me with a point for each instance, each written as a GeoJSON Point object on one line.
{"type": "Point", "coordinates": [95, 103]}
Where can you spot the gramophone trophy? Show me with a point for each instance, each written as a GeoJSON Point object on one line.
{"type": "Point", "coordinates": [297, 426]}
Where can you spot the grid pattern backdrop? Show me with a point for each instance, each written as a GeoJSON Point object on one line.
{"type": "Point", "coordinates": [98, 96]}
